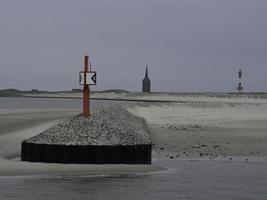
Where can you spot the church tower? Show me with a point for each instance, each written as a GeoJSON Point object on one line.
{"type": "Point", "coordinates": [240, 87]}
{"type": "Point", "coordinates": [146, 82]}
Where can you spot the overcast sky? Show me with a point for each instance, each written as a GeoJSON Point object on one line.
{"type": "Point", "coordinates": [189, 45]}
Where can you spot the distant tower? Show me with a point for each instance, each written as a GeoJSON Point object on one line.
{"type": "Point", "coordinates": [240, 87]}
{"type": "Point", "coordinates": [146, 82]}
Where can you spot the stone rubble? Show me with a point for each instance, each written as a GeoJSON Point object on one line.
{"type": "Point", "coordinates": [112, 125]}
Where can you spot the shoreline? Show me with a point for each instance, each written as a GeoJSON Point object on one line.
{"type": "Point", "coordinates": [203, 130]}
{"type": "Point", "coordinates": [230, 98]}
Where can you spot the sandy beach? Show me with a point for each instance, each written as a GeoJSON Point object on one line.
{"type": "Point", "coordinates": [207, 130]}
{"type": "Point", "coordinates": [194, 130]}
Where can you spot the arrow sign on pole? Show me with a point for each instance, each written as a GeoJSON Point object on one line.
{"type": "Point", "coordinates": [90, 78]}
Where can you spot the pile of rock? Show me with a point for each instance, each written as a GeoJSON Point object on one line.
{"type": "Point", "coordinates": [112, 125]}
{"type": "Point", "coordinates": [111, 135]}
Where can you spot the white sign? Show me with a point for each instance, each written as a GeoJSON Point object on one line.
{"type": "Point", "coordinates": [90, 78]}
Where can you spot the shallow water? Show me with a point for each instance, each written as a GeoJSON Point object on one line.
{"type": "Point", "coordinates": [205, 180]}
{"type": "Point", "coordinates": [22, 111]}
{"type": "Point", "coordinates": [46, 103]}
{"type": "Point", "coordinates": [184, 179]}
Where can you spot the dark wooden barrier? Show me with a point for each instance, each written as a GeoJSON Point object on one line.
{"type": "Point", "coordinates": [89, 154]}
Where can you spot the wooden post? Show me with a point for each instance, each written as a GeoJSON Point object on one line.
{"type": "Point", "coordinates": [86, 89]}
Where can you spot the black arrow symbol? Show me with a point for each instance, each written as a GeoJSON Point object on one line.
{"type": "Point", "coordinates": [93, 78]}
{"type": "Point", "coordinates": [80, 77]}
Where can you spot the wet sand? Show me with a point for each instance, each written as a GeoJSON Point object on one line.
{"type": "Point", "coordinates": [206, 142]}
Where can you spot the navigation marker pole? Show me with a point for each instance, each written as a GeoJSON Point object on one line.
{"type": "Point", "coordinates": [86, 90]}
{"type": "Point", "coordinates": [87, 77]}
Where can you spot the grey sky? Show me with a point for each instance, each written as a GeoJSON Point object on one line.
{"type": "Point", "coordinates": [189, 45]}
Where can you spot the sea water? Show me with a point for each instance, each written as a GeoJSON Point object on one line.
{"type": "Point", "coordinates": [184, 179]}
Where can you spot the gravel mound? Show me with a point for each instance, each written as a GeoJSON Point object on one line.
{"type": "Point", "coordinates": [112, 125]}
